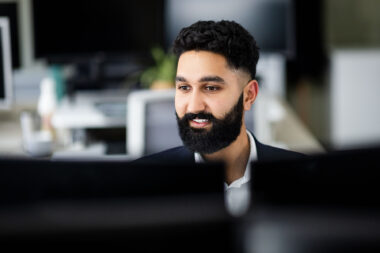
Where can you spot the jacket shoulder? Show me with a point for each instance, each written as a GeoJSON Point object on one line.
{"type": "Point", "coordinates": [270, 153]}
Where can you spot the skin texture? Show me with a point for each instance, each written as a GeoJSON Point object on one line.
{"type": "Point", "coordinates": [206, 83]}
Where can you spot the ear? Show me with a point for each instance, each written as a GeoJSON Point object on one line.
{"type": "Point", "coordinates": [250, 94]}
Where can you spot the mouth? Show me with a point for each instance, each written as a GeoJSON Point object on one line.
{"type": "Point", "coordinates": [199, 123]}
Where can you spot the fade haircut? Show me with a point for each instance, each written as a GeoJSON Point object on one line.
{"type": "Point", "coordinates": [227, 38]}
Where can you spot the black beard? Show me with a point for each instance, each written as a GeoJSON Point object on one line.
{"type": "Point", "coordinates": [222, 133]}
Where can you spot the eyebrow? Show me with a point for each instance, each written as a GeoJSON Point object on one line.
{"type": "Point", "coordinates": [180, 79]}
{"type": "Point", "coordinates": [215, 79]}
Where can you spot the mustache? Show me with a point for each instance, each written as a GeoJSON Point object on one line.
{"type": "Point", "coordinates": [201, 115]}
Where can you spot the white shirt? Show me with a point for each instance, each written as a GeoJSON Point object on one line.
{"type": "Point", "coordinates": [237, 194]}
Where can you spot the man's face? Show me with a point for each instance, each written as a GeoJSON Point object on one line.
{"type": "Point", "coordinates": [208, 101]}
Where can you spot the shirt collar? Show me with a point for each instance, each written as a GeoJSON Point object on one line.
{"type": "Point", "coordinates": [247, 174]}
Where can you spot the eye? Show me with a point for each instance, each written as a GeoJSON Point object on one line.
{"type": "Point", "coordinates": [212, 88]}
{"type": "Point", "coordinates": [184, 87]}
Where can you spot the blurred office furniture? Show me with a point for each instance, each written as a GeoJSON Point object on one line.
{"type": "Point", "coordinates": [354, 98]}
{"type": "Point", "coordinates": [10, 130]}
{"type": "Point", "coordinates": [323, 203]}
{"type": "Point", "coordinates": [102, 112]}
{"type": "Point", "coordinates": [271, 73]}
{"type": "Point", "coordinates": [95, 109]}
{"type": "Point", "coordinates": [5, 65]}
{"type": "Point", "coordinates": [101, 69]}
{"type": "Point", "coordinates": [10, 133]}
{"type": "Point", "coordinates": [35, 142]}
{"type": "Point", "coordinates": [277, 124]}
{"type": "Point", "coordinates": [141, 208]}
{"type": "Point", "coordinates": [10, 10]}
{"type": "Point", "coordinates": [151, 122]}
{"type": "Point", "coordinates": [26, 85]}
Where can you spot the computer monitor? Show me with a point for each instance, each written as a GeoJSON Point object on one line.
{"type": "Point", "coordinates": [271, 22]}
{"type": "Point", "coordinates": [107, 43]}
{"type": "Point", "coordinates": [10, 9]}
{"type": "Point", "coordinates": [5, 65]}
{"type": "Point", "coordinates": [143, 207]}
{"type": "Point", "coordinates": [70, 30]}
{"type": "Point", "coordinates": [339, 178]}
{"type": "Point", "coordinates": [322, 203]}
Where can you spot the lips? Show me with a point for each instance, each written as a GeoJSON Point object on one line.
{"type": "Point", "coordinates": [199, 123]}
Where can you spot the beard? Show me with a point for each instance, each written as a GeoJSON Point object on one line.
{"type": "Point", "coordinates": [222, 133]}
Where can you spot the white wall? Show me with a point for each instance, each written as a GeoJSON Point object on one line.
{"type": "Point", "coordinates": [355, 98]}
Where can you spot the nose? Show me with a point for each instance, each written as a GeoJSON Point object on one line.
{"type": "Point", "coordinates": [196, 103]}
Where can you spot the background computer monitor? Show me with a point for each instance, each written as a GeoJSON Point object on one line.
{"type": "Point", "coordinates": [107, 42]}
{"type": "Point", "coordinates": [65, 31]}
{"type": "Point", "coordinates": [269, 21]}
{"type": "Point", "coordinates": [10, 9]}
{"type": "Point", "coordinates": [5, 65]}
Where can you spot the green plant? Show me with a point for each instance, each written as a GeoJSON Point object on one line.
{"type": "Point", "coordinates": [164, 70]}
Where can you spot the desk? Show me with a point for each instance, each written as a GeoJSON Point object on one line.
{"type": "Point", "coordinates": [96, 110]}
{"type": "Point", "coordinates": [91, 109]}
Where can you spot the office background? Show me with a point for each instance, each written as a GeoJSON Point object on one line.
{"type": "Point", "coordinates": [319, 91]}
{"type": "Point", "coordinates": [318, 67]}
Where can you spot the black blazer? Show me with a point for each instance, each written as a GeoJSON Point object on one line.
{"type": "Point", "coordinates": [184, 155]}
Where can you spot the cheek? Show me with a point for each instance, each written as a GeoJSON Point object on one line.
{"type": "Point", "coordinates": [222, 105]}
{"type": "Point", "coordinates": [180, 106]}
{"type": "Point", "coordinates": [219, 108]}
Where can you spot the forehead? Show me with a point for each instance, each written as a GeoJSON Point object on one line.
{"type": "Point", "coordinates": [202, 61]}
{"type": "Point", "coordinates": [196, 64]}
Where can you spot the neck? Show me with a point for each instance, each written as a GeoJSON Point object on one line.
{"type": "Point", "coordinates": [235, 156]}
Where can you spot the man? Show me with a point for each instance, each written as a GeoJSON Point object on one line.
{"type": "Point", "coordinates": [215, 84]}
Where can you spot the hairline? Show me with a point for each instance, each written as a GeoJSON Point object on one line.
{"type": "Point", "coordinates": [228, 65]}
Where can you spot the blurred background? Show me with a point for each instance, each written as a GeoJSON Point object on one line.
{"type": "Point", "coordinates": [95, 78]}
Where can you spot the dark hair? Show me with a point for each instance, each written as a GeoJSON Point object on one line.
{"type": "Point", "coordinates": [227, 38]}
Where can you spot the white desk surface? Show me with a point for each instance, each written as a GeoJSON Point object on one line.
{"type": "Point", "coordinates": [81, 111]}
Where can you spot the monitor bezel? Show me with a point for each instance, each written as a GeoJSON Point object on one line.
{"type": "Point", "coordinates": [5, 103]}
